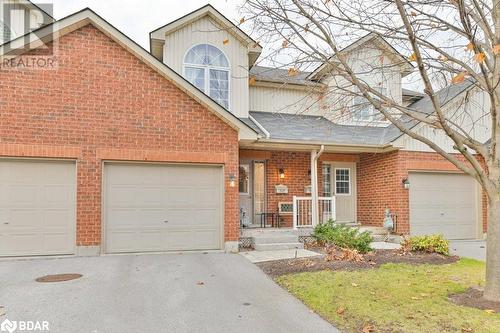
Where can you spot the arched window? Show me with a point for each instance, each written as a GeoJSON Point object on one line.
{"type": "Point", "coordinates": [206, 67]}
{"type": "Point", "coordinates": [6, 33]}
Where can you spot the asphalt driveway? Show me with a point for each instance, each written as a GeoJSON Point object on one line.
{"type": "Point", "coordinates": [153, 293]}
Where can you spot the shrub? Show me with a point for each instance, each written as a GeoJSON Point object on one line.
{"type": "Point", "coordinates": [428, 243]}
{"type": "Point", "coordinates": [343, 236]}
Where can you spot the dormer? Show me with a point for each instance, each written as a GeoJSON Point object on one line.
{"type": "Point", "coordinates": [212, 53]}
{"type": "Point", "coordinates": [18, 17]}
{"type": "Point", "coordinates": [375, 62]}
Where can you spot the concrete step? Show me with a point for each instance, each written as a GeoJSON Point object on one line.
{"type": "Point", "coordinates": [276, 238]}
{"type": "Point", "coordinates": [395, 239]}
{"type": "Point", "coordinates": [374, 230]}
{"type": "Point", "coordinates": [351, 224]}
{"type": "Point", "coordinates": [278, 246]}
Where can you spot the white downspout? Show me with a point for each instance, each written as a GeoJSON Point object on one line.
{"type": "Point", "coordinates": [315, 155]}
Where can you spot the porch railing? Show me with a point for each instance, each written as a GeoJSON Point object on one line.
{"type": "Point", "coordinates": [302, 211]}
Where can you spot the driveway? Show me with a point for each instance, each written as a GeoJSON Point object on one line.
{"type": "Point", "coordinates": [475, 249]}
{"type": "Point", "coordinates": [153, 293]}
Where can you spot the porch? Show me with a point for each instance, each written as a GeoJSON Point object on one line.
{"type": "Point", "coordinates": [295, 189]}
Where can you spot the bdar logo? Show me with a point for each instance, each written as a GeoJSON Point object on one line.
{"type": "Point", "coordinates": [8, 326]}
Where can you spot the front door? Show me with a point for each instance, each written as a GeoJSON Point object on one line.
{"type": "Point", "coordinates": [252, 188]}
{"type": "Point", "coordinates": [339, 179]}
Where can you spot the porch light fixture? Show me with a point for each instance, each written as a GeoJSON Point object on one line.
{"type": "Point", "coordinates": [232, 180]}
{"type": "Point", "coordinates": [406, 183]}
{"type": "Point", "coordinates": [282, 173]}
{"type": "Point", "coordinates": [309, 174]}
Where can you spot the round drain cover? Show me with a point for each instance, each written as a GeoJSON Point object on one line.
{"type": "Point", "coordinates": [58, 277]}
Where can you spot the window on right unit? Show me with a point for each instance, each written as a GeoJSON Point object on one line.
{"type": "Point", "coordinates": [342, 181]}
{"type": "Point", "coordinates": [363, 110]}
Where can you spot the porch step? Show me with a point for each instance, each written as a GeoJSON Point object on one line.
{"type": "Point", "coordinates": [373, 230]}
{"type": "Point", "coordinates": [278, 246]}
{"type": "Point", "coordinates": [396, 239]}
{"type": "Point", "coordinates": [276, 238]}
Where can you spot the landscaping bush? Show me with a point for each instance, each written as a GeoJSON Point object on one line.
{"type": "Point", "coordinates": [343, 236]}
{"type": "Point", "coordinates": [428, 243]}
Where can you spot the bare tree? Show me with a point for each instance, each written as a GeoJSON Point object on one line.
{"type": "Point", "coordinates": [453, 42]}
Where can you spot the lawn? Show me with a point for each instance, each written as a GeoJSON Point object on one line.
{"type": "Point", "coordinates": [395, 297]}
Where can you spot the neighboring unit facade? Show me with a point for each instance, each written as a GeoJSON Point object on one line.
{"type": "Point", "coordinates": [120, 150]}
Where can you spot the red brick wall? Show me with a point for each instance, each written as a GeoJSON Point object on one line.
{"type": "Point", "coordinates": [296, 166]}
{"type": "Point", "coordinates": [104, 103]}
{"type": "Point", "coordinates": [380, 184]}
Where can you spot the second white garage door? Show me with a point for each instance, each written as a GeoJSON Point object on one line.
{"type": "Point", "coordinates": [162, 207]}
{"type": "Point", "coordinates": [442, 203]}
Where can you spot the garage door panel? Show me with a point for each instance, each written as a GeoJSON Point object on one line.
{"type": "Point", "coordinates": [443, 204]}
{"type": "Point", "coordinates": [187, 197]}
{"type": "Point", "coordinates": [37, 207]}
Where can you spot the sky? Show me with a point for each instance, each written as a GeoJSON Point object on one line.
{"type": "Point", "coordinates": [137, 18]}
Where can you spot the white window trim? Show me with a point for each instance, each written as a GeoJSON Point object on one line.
{"type": "Point", "coordinates": [248, 180]}
{"type": "Point", "coordinates": [350, 182]}
{"type": "Point", "coordinates": [371, 120]}
{"type": "Point", "coordinates": [206, 69]}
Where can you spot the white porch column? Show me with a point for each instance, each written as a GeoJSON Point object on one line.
{"type": "Point", "coordinates": [314, 185]}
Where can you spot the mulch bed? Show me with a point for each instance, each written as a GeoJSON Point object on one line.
{"type": "Point", "coordinates": [371, 260]}
{"type": "Point", "coordinates": [473, 297]}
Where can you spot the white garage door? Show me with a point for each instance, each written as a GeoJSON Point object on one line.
{"type": "Point", "coordinates": [443, 203]}
{"type": "Point", "coordinates": [37, 207]}
{"type": "Point", "coordinates": [162, 207]}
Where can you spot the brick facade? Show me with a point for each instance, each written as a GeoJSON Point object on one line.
{"type": "Point", "coordinates": [380, 185]}
{"type": "Point", "coordinates": [379, 180]}
{"type": "Point", "coordinates": [296, 166]}
{"type": "Point", "coordinates": [103, 103]}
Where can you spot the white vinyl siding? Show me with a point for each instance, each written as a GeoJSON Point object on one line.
{"type": "Point", "coordinates": [473, 117]}
{"type": "Point", "coordinates": [206, 31]}
{"type": "Point", "coordinates": [284, 100]}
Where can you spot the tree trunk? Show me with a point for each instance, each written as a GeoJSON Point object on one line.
{"type": "Point", "coordinates": [492, 287]}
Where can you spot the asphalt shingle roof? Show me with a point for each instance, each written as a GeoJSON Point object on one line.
{"type": "Point", "coordinates": [316, 128]}
{"type": "Point", "coordinates": [278, 75]}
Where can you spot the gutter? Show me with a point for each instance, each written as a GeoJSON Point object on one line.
{"type": "Point", "coordinates": [305, 143]}
{"type": "Point", "coordinates": [259, 125]}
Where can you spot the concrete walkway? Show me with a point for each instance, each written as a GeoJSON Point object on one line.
{"type": "Point", "coordinates": [153, 293]}
{"type": "Point", "coordinates": [475, 249]}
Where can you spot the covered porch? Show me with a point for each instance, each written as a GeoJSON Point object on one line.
{"type": "Point", "coordinates": [295, 186]}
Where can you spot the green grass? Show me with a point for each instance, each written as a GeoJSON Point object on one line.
{"type": "Point", "coordinates": [395, 297]}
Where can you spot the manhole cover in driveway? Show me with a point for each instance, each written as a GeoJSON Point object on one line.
{"type": "Point", "coordinates": [58, 278]}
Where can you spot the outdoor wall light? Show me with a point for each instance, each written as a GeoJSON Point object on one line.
{"type": "Point", "coordinates": [309, 174]}
{"type": "Point", "coordinates": [282, 173]}
{"type": "Point", "coordinates": [232, 180]}
{"type": "Point", "coordinates": [406, 183]}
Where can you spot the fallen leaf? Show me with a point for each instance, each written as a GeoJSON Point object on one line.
{"type": "Point", "coordinates": [200, 283]}
{"type": "Point", "coordinates": [459, 78]}
{"type": "Point", "coordinates": [490, 311]}
{"type": "Point", "coordinates": [480, 57]}
{"type": "Point", "coordinates": [413, 57]}
{"type": "Point", "coordinates": [225, 41]}
{"type": "Point", "coordinates": [410, 317]}
{"type": "Point", "coordinates": [368, 329]}
{"type": "Point", "coordinates": [496, 49]}
{"type": "Point", "coordinates": [340, 311]}
{"type": "Point", "coordinates": [467, 329]}
{"type": "Point", "coordinates": [354, 284]}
